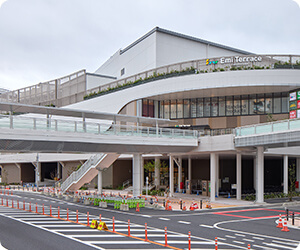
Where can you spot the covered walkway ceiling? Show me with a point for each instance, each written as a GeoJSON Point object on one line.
{"type": "Point", "coordinates": [25, 108]}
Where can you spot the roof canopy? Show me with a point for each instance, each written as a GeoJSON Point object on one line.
{"type": "Point", "coordinates": [24, 108]}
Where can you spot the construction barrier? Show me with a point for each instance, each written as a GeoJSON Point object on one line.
{"type": "Point", "coordinates": [94, 224]}
{"type": "Point", "coordinates": [102, 226]}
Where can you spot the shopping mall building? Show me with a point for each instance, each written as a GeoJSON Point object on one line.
{"type": "Point", "coordinates": [201, 85]}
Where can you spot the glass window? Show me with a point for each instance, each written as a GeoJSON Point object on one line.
{"type": "Point", "coordinates": [229, 105]}
{"type": "Point", "coordinates": [269, 104]}
{"type": "Point", "coordinates": [193, 108]}
{"type": "Point", "coordinates": [277, 103]}
{"type": "Point", "coordinates": [214, 106]}
{"type": "Point", "coordinates": [244, 105]}
{"type": "Point", "coordinates": [237, 105]}
{"type": "Point", "coordinates": [252, 102]}
{"type": "Point", "coordinates": [285, 102]}
{"type": "Point", "coordinates": [200, 107]}
{"type": "Point", "coordinates": [222, 106]}
{"type": "Point", "coordinates": [151, 108]}
{"type": "Point", "coordinates": [145, 108]}
{"type": "Point", "coordinates": [260, 104]}
{"type": "Point", "coordinates": [186, 108]}
{"type": "Point", "coordinates": [161, 109]}
{"type": "Point", "coordinates": [179, 108]}
{"type": "Point", "coordinates": [173, 109]}
{"type": "Point", "coordinates": [206, 107]}
{"type": "Point", "coordinates": [167, 109]}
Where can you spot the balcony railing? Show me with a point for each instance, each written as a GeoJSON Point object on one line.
{"type": "Point", "coordinates": [32, 123]}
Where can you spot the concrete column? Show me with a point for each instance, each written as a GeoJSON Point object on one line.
{"type": "Point", "coordinates": [190, 168]}
{"type": "Point", "coordinates": [142, 174]}
{"type": "Point", "coordinates": [157, 172]}
{"type": "Point", "coordinates": [238, 176]}
{"type": "Point", "coordinates": [100, 182]}
{"type": "Point", "coordinates": [217, 175]}
{"type": "Point", "coordinates": [298, 172]}
{"type": "Point", "coordinates": [171, 175]}
{"type": "Point", "coordinates": [179, 174]}
{"type": "Point", "coordinates": [38, 168]}
{"type": "Point", "coordinates": [58, 171]}
{"type": "Point", "coordinates": [254, 174]}
{"type": "Point", "coordinates": [285, 174]}
{"type": "Point", "coordinates": [136, 174]}
{"type": "Point", "coordinates": [213, 166]}
{"type": "Point", "coordinates": [260, 174]}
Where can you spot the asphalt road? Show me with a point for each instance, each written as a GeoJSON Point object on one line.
{"type": "Point", "coordinates": [234, 227]}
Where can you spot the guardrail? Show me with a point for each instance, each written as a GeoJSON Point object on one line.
{"type": "Point", "coordinates": [32, 123]}
{"type": "Point", "coordinates": [270, 127]}
{"type": "Point", "coordinates": [76, 175]}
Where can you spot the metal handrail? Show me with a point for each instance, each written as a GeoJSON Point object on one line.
{"type": "Point", "coordinates": [269, 127]}
{"type": "Point", "coordinates": [76, 175]}
{"type": "Point", "coordinates": [33, 123]}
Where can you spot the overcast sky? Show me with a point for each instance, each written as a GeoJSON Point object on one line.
{"type": "Point", "coordinates": [41, 40]}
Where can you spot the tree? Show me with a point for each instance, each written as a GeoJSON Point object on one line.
{"type": "Point", "coordinates": [292, 179]}
{"type": "Point", "coordinates": [150, 167]}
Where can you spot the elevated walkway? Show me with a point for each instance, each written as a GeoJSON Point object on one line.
{"type": "Point", "coordinates": [279, 134]}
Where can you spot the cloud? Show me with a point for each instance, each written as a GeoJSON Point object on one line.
{"type": "Point", "coordinates": [298, 2]}
{"type": "Point", "coordinates": [1, 2]}
{"type": "Point", "coordinates": [44, 40]}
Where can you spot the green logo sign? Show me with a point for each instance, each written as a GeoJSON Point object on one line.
{"type": "Point", "coordinates": [298, 95]}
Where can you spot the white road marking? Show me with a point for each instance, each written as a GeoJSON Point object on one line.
{"type": "Point", "coordinates": [257, 238]}
{"type": "Point", "coordinates": [286, 243]}
{"type": "Point", "coordinates": [147, 216]}
{"type": "Point", "coordinates": [141, 230]}
{"type": "Point", "coordinates": [263, 247]}
{"type": "Point", "coordinates": [219, 238]}
{"type": "Point", "coordinates": [184, 222]}
{"type": "Point", "coordinates": [241, 235]}
{"type": "Point", "coordinates": [161, 218]}
{"type": "Point", "coordinates": [117, 242]}
{"type": "Point", "coordinates": [229, 236]}
{"type": "Point", "coordinates": [202, 225]}
{"type": "Point", "coordinates": [248, 240]}
{"type": "Point", "coordinates": [238, 242]}
{"type": "Point", "coordinates": [185, 242]}
{"type": "Point", "coordinates": [74, 230]}
{"type": "Point", "coordinates": [160, 235]}
{"type": "Point", "coordinates": [277, 245]}
{"type": "Point", "coordinates": [67, 225]}
{"type": "Point", "coordinates": [96, 235]}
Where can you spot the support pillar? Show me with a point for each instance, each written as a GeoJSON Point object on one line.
{"type": "Point", "coordinates": [238, 176]}
{"type": "Point", "coordinates": [157, 173]}
{"type": "Point", "coordinates": [171, 175]}
{"type": "Point", "coordinates": [58, 171]}
{"type": "Point", "coordinates": [217, 175]}
{"type": "Point", "coordinates": [136, 174]}
{"type": "Point", "coordinates": [285, 174]}
{"type": "Point", "coordinates": [213, 166]}
{"type": "Point", "coordinates": [260, 174]}
{"type": "Point", "coordinates": [179, 174]}
{"type": "Point", "coordinates": [254, 174]}
{"type": "Point", "coordinates": [298, 173]}
{"type": "Point", "coordinates": [142, 174]}
{"type": "Point", "coordinates": [100, 182]}
{"type": "Point", "coordinates": [190, 169]}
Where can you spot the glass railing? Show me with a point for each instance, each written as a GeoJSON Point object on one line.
{"type": "Point", "coordinates": [270, 127]}
{"type": "Point", "coordinates": [30, 123]}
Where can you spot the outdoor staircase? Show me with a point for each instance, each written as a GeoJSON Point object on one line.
{"type": "Point", "coordinates": [88, 171]}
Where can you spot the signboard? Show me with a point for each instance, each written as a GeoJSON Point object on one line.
{"type": "Point", "coordinates": [293, 96]}
{"type": "Point", "coordinates": [293, 105]}
{"type": "Point", "coordinates": [298, 113]}
{"type": "Point", "coordinates": [298, 95]}
{"type": "Point", "coordinates": [293, 114]}
{"type": "Point", "coordinates": [240, 59]}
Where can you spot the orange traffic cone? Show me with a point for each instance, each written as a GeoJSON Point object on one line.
{"type": "Point", "coordinates": [184, 207]}
{"type": "Point", "coordinates": [280, 222]}
{"type": "Point", "coordinates": [137, 207]}
{"type": "Point", "coordinates": [285, 228]}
